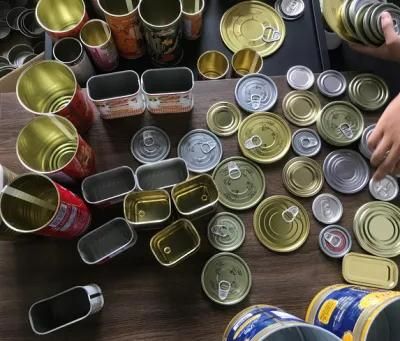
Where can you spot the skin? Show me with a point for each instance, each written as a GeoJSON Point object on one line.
{"type": "Point", "coordinates": [385, 139]}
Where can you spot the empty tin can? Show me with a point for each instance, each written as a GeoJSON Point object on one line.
{"type": "Point", "coordinates": [6, 176]}
{"type": "Point", "coordinates": [175, 243]}
{"type": "Point", "coordinates": [50, 87]}
{"type": "Point", "coordinates": [212, 65]}
{"type": "Point", "coordinates": [123, 18]}
{"type": "Point", "coordinates": [98, 41]}
{"type": "Point", "coordinates": [363, 145]}
{"type": "Point", "coordinates": [29, 26]}
{"type": "Point", "coordinates": [18, 53]}
{"type": "Point", "coordinates": [192, 18]}
{"type": "Point", "coordinates": [51, 145]}
{"type": "Point", "coordinates": [246, 61]}
{"type": "Point", "coordinates": [116, 94]}
{"type": "Point", "coordinates": [12, 17]}
{"type": "Point", "coordinates": [109, 187]}
{"type": "Point", "coordinates": [162, 30]}
{"type": "Point", "coordinates": [386, 189]}
{"type": "Point", "coordinates": [147, 208]}
{"type": "Point", "coordinates": [306, 142]}
{"type": "Point", "coordinates": [327, 209]}
{"type": "Point", "coordinates": [335, 241]}
{"type": "Point", "coordinates": [168, 90]}
{"type": "Point", "coordinates": [195, 197]}
{"type": "Point", "coordinates": [65, 308]}
{"type": "Point", "coordinates": [60, 20]}
{"type": "Point", "coordinates": [161, 174]}
{"type": "Point", "coordinates": [44, 207]}
{"type": "Point", "coordinates": [106, 242]}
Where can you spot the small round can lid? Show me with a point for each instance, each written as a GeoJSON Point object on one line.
{"type": "Point", "coordinates": [327, 209]}
{"type": "Point", "coordinates": [201, 150]}
{"type": "Point", "coordinates": [292, 8]}
{"type": "Point", "coordinates": [301, 107]}
{"type": "Point", "coordinates": [300, 77]}
{"type": "Point", "coordinates": [223, 118]}
{"type": "Point", "coordinates": [150, 144]}
{"type": "Point", "coordinates": [335, 241]}
{"type": "Point", "coordinates": [331, 83]}
{"type": "Point", "coordinates": [306, 142]}
{"type": "Point", "coordinates": [256, 93]}
{"type": "Point", "coordinates": [226, 279]}
{"type": "Point", "coordinates": [386, 189]}
{"type": "Point", "coordinates": [363, 145]}
{"type": "Point", "coordinates": [226, 231]}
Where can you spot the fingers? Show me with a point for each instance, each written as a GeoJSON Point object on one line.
{"type": "Point", "coordinates": [389, 164]}
{"type": "Point", "coordinates": [374, 138]}
{"type": "Point", "coordinates": [388, 28]}
{"type": "Point", "coordinates": [380, 152]}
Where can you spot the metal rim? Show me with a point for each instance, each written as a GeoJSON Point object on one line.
{"type": "Point", "coordinates": [60, 41]}
{"type": "Point", "coordinates": [104, 25]}
{"type": "Point", "coordinates": [303, 68]}
{"type": "Point", "coordinates": [339, 76]}
{"type": "Point", "coordinates": [315, 134]}
{"type": "Point", "coordinates": [327, 251]}
{"type": "Point", "coordinates": [221, 55]}
{"type": "Point", "coordinates": [336, 199]}
{"type": "Point", "coordinates": [236, 114]}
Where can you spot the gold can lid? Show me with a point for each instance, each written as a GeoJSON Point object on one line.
{"type": "Point", "coordinates": [264, 137]}
{"type": "Point", "coordinates": [253, 24]}
{"type": "Point", "coordinates": [301, 107]}
{"type": "Point", "coordinates": [303, 176]}
{"type": "Point", "coordinates": [281, 223]}
{"type": "Point", "coordinates": [223, 118]}
{"type": "Point", "coordinates": [376, 226]}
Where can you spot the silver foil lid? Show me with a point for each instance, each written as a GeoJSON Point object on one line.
{"type": "Point", "coordinates": [300, 77]}
{"type": "Point", "coordinates": [327, 209]}
{"type": "Point", "coordinates": [306, 142]}
{"type": "Point", "coordinates": [386, 189]}
{"type": "Point", "coordinates": [335, 241]}
{"type": "Point", "coordinates": [331, 83]}
{"type": "Point", "coordinates": [363, 145]}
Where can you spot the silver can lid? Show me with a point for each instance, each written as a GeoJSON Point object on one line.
{"type": "Point", "coordinates": [327, 209]}
{"type": "Point", "coordinates": [256, 93]}
{"type": "Point", "coordinates": [300, 77]}
{"type": "Point", "coordinates": [150, 144]}
{"type": "Point", "coordinates": [306, 142]}
{"type": "Point", "coordinates": [346, 171]}
{"type": "Point", "coordinates": [331, 83]}
{"type": "Point", "coordinates": [201, 150]}
{"type": "Point", "coordinates": [292, 8]}
{"type": "Point", "coordinates": [386, 189]}
{"type": "Point", "coordinates": [335, 241]}
{"type": "Point", "coordinates": [363, 145]}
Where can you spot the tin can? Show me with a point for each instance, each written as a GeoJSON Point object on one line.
{"type": "Point", "coordinates": [290, 9]}
{"type": "Point", "coordinates": [51, 145]}
{"type": "Point", "coordinates": [12, 17]}
{"type": "Point", "coordinates": [223, 118]}
{"type": "Point", "coordinates": [66, 308]}
{"type": "Point", "coordinates": [49, 87]}
{"type": "Point", "coordinates": [106, 241]}
{"type": "Point", "coordinates": [109, 187]}
{"type": "Point", "coordinates": [386, 189]}
{"type": "Point", "coordinates": [6, 176]}
{"type": "Point", "coordinates": [70, 51]}
{"type": "Point", "coordinates": [335, 241]}
{"type": "Point", "coordinates": [192, 11]}
{"type": "Point", "coordinates": [59, 20]}
{"type": "Point", "coordinates": [246, 61]}
{"type": "Point", "coordinates": [123, 18]}
{"type": "Point", "coordinates": [306, 142]}
{"type": "Point", "coordinates": [168, 90]}
{"type": "Point", "coordinates": [327, 209]}
{"type": "Point", "coordinates": [301, 108]}
{"type": "Point", "coordinates": [162, 30]}
{"type": "Point", "coordinates": [45, 208]}
{"type": "Point", "coordinates": [29, 26]}
{"type": "Point", "coordinates": [212, 65]}
{"type": "Point", "coordinates": [175, 243]}
{"type": "Point", "coordinates": [195, 197]}
{"type": "Point", "coordinates": [116, 94]}
{"type": "Point", "coordinates": [99, 43]}
{"type": "Point", "coordinates": [300, 77]}
{"type": "Point", "coordinates": [356, 313]}
{"type": "Point", "coordinates": [331, 83]}
{"type": "Point", "coordinates": [17, 54]}
{"type": "Point", "coordinates": [263, 323]}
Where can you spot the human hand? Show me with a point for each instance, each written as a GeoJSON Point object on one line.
{"type": "Point", "coordinates": [390, 50]}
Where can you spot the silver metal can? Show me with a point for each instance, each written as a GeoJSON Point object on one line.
{"type": "Point", "coordinates": [335, 241]}
{"type": "Point", "coordinates": [306, 142]}
{"type": "Point", "coordinates": [363, 145]}
{"type": "Point", "coordinates": [327, 209]}
{"type": "Point", "coordinates": [300, 77]}
{"type": "Point", "coordinates": [386, 189]}
{"type": "Point", "coordinates": [331, 83]}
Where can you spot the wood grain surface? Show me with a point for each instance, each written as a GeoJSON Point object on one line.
{"type": "Point", "coordinates": [143, 300]}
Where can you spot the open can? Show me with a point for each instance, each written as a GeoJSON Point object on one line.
{"type": "Point", "coordinates": [246, 61]}
{"type": "Point", "coordinates": [192, 18]}
{"type": "Point", "coordinates": [109, 187]}
{"type": "Point", "coordinates": [116, 94]}
{"type": "Point", "coordinates": [6, 176]}
{"type": "Point", "coordinates": [212, 65]}
{"type": "Point", "coordinates": [168, 90]}
{"type": "Point", "coordinates": [106, 241]}
{"type": "Point", "coordinates": [65, 308]}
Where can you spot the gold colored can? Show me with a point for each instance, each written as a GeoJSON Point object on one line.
{"type": "Point", "coordinates": [6, 176]}
{"type": "Point", "coordinates": [223, 118]}
{"type": "Point", "coordinates": [212, 65]}
{"type": "Point", "coordinates": [301, 108]}
{"type": "Point", "coordinates": [246, 61]}
{"type": "Point", "coordinates": [192, 18]}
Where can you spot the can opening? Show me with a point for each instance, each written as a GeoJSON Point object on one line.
{"type": "Point", "coordinates": [165, 80]}
{"type": "Point", "coordinates": [300, 333]}
{"type": "Point", "coordinates": [160, 13]}
{"type": "Point", "coordinates": [247, 61]}
{"type": "Point", "coordinates": [192, 6]}
{"type": "Point", "coordinates": [386, 325]}
{"type": "Point", "coordinates": [67, 50]}
{"type": "Point", "coordinates": [118, 7]}
{"type": "Point", "coordinates": [31, 24]}
{"type": "Point", "coordinates": [95, 33]}
{"type": "Point", "coordinates": [213, 64]}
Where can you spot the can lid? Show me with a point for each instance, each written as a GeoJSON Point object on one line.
{"type": "Point", "coordinates": [302, 176]}
{"type": "Point", "coordinates": [346, 171]}
{"type": "Point", "coordinates": [386, 189]}
{"type": "Point", "coordinates": [223, 118]}
{"type": "Point", "coordinates": [306, 142]}
{"type": "Point", "coordinates": [301, 107]}
{"type": "Point", "coordinates": [300, 77]}
{"type": "Point", "coordinates": [240, 183]}
{"type": "Point", "coordinates": [281, 223]}
{"type": "Point", "coordinates": [264, 137]}
{"type": "Point", "coordinates": [331, 83]}
{"type": "Point", "coordinates": [335, 241]}
{"type": "Point", "coordinates": [226, 231]}
{"type": "Point", "coordinates": [150, 144]}
{"type": "Point", "coordinates": [376, 226]}
{"type": "Point", "coordinates": [327, 208]}
{"type": "Point", "coordinates": [363, 145]}
{"type": "Point", "coordinates": [256, 93]}
{"type": "Point", "coordinates": [226, 279]}
{"type": "Point", "coordinates": [292, 8]}
{"type": "Point", "coordinates": [201, 150]}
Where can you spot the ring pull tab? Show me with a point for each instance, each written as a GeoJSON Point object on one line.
{"type": "Point", "coordinates": [207, 147]}
{"type": "Point", "coordinates": [224, 287]}
{"type": "Point", "coordinates": [253, 142]}
{"type": "Point", "coordinates": [308, 142]}
{"type": "Point", "coordinates": [326, 208]}
{"type": "Point", "coordinates": [335, 241]}
{"type": "Point", "coordinates": [289, 215]}
{"type": "Point", "coordinates": [148, 139]}
{"type": "Point", "coordinates": [346, 130]}
{"type": "Point", "coordinates": [255, 101]}
{"type": "Point", "coordinates": [220, 230]}
{"type": "Point", "coordinates": [234, 170]}
{"type": "Point", "coordinates": [271, 34]}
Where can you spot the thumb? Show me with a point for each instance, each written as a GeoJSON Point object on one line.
{"type": "Point", "coordinates": [388, 28]}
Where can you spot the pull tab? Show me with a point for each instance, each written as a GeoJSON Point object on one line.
{"type": "Point", "coordinates": [220, 230]}
{"type": "Point", "coordinates": [290, 214]}
{"type": "Point", "coordinates": [255, 101]}
{"type": "Point", "coordinates": [308, 142]}
{"type": "Point", "coordinates": [271, 34]}
{"type": "Point", "coordinates": [234, 171]}
{"type": "Point", "coordinates": [223, 289]}
{"type": "Point", "coordinates": [346, 130]}
{"type": "Point", "coordinates": [332, 239]}
{"type": "Point", "coordinates": [148, 139]}
{"type": "Point", "coordinates": [207, 147]}
{"type": "Point", "coordinates": [326, 208]}
{"type": "Point", "coordinates": [253, 142]}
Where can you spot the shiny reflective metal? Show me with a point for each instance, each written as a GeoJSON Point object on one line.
{"type": "Point", "coordinates": [12, 17]}
{"type": "Point", "coordinates": [331, 83]}
{"type": "Point", "coordinates": [192, 17]}
{"type": "Point", "coordinates": [161, 174]}
{"type": "Point", "coordinates": [306, 142]}
{"type": "Point", "coordinates": [327, 209]}
{"type": "Point", "coordinates": [300, 77]}
{"type": "Point", "coordinates": [223, 118]}
{"type": "Point", "coordinates": [386, 189]}
{"type": "Point", "coordinates": [363, 144]}
{"type": "Point", "coordinates": [17, 54]}
{"type": "Point", "coordinates": [175, 243]}
{"type": "Point", "coordinates": [246, 61]}
{"type": "Point", "coordinates": [29, 26]}
{"type": "Point", "coordinates": [301, 108]}
{"type": "Point", "coordinates": [212, 65]}
{"type": "Point", "coordinates": [335, 241]}
{"type": "Point", "coordinates": [292, 8]}
{"type": "Point", "coordinates": [106, 241]}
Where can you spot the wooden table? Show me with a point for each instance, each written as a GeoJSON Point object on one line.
{"type": "Point", "coordinates": [143, 300]}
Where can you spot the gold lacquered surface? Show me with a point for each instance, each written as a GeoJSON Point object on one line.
{"type": "Point", "coordinates": [213, 65]}
{"type": "Point", "coordinates": [301, 107]}
{"type": "Point", "coordinates": [157, 13]}
{"type": "Point", "coordinates": [95, 33]}
{"type": "Point", "coordinates": [331, 10]}
{"type": "Point", "coordinates": [223, 118]}
{"type": "Point", "coordinates": [118, 7]}
{"type": "Point", "coordinates": [46, 87]}
{"type": "Point", "coordinates": [246, 61]}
